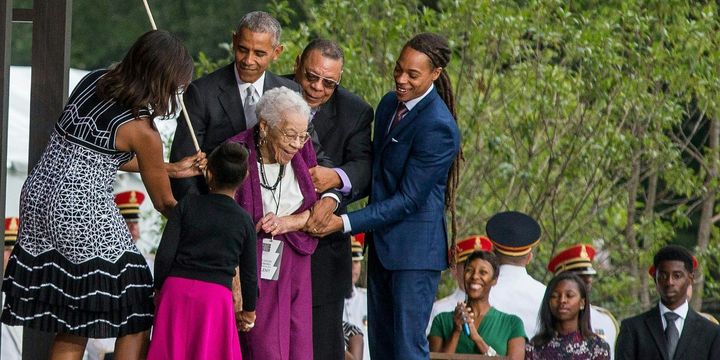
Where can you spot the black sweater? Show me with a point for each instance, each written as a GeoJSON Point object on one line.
{"type": "Point", "coordinates": [205, 238]}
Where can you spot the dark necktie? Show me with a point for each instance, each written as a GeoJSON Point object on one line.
{"type": "Point", "coordinates": [399, 114]}
{"type": "Point", "coordinates": [671, 333]}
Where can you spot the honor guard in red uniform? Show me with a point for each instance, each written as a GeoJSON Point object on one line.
{"type": "Point", "coordinates": [129, 204]}
{"type": "Point", "coordinates": [514, 235]}
{"type": "Point", "coordinates": [355, 310]}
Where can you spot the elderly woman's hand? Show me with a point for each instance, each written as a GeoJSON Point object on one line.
{"type": "Point", "coordinates": [278, 225]}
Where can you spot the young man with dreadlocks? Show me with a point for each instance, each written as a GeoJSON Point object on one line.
{"type": "Point", "coordinates": [415, 145]}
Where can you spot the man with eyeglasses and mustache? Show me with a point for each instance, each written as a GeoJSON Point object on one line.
{"type": "Point", "coordinates": [342, 123]}
{"type": "Point", "coordinates": [222, 103]}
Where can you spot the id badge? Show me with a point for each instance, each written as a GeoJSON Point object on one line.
{"type": "Point", "coordinates": [271, 256]}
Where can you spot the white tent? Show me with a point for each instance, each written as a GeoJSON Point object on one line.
{"type": "Point", "coordinates": [18, 145]}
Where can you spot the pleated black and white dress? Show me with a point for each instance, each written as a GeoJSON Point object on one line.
{"type": "Point", "coordinates": [75, 268]}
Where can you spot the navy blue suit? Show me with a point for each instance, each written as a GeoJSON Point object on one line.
{"type": "Point", "coordinates": [405, 222]}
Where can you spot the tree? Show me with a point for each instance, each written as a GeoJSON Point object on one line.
{"type": "Point", "coordinates": [598, 118]}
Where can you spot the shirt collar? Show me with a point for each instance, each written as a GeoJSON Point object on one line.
{"type": "Point", "coordinates": [512, 270]}
{"type": "Point", "coordinates": [681, 310]}
{"type": "Point", "coordinates": [258, 84]}
{"type": "Point", "coordinates": [410, 104]}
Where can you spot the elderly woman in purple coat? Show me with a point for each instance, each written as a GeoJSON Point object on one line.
{"type": "Point", "coordinates": [278, 194]}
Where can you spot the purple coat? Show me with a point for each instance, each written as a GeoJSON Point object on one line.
{"type": "Point", "coordinates": [283, 328]}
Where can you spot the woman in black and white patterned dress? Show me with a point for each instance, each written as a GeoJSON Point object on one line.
{"type": "Point", "coordinates": [75, 269]}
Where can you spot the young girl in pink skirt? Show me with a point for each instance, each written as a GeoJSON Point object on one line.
{"type": "Point", "coordinates": [206, 237]}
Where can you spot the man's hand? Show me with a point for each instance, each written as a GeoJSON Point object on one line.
{"type": "Point", "coordinates": [335, 224]}
{"type": "Point", "coordinates": [325, 178]}
{"type": "Point", "coordinates": [320, 214]}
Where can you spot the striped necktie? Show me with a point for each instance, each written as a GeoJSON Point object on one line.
{"type": "Point", "coordinates": [399, 115]}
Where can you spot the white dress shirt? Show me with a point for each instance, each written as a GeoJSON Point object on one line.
{"type": "Point", "coordinates": [355, 312]}
{"type": "Point", "coordinates": [242, 86]}
{"type": "Point", "coordinates": [445, 304]}
{"type": "Point", "coordinates": [517, 293]}
{"type": "Point", "coordinates": [682, 310]}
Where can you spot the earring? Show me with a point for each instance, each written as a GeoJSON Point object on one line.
{"type": "Point", "coordinates": [582, 307]}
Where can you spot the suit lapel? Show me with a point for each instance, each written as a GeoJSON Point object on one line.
{"type": "Point", "coordinates": [409, 117]}
{"type": "Point", "coordinates": [654, 325]}
{"type": "Point", "coordinates": [689, 330]}
{"type": "Point", "coordinates": [325, 118]}
{"type": "Point", "coordinates": [271, 81]}
{"type": "Point", "coordinates": [230, 99]}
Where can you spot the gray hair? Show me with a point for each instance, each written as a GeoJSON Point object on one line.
{"type": "Point", "coordinates": [327, 48]}
{"type": "Point", "coordinates": [275, 102]}
{"type": "Point", "coordinates": [261, 22]}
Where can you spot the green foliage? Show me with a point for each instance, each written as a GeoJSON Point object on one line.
{"type": "Point", "coordinates": [557, 101]}
{"type": "Point", "coordinates": [102, 31]}
{"type": "Point", "coordinates": [592, 116]}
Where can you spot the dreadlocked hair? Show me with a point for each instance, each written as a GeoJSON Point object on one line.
{"type": "Point", "coordinates": [438, 50]}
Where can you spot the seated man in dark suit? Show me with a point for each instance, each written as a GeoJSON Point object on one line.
{"type": "Point", "coordinates": [222, 103]}
{"type": "Point", "coordinates": [342, 121]}
{"type": "Point", "coordinates": [671, 330]}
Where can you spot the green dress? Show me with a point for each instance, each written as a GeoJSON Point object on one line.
{"type": "Point", "coordinates": [496, 328]}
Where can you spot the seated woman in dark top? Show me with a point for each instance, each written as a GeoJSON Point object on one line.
{"type": "Point", "coordinates": [497, 333]}
{"type": "Point", "coordinates": [565, 332]}
{"type": "Point", "coordinates": [206, 238]}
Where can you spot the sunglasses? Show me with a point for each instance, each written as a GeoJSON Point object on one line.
{"type": "Point", "coordinates": [326, 82]}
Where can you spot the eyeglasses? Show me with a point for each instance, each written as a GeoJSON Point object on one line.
{"type": "Point", "coordinates": [327, 83]}
{"type": "Point", "coordinates": [302, 137]}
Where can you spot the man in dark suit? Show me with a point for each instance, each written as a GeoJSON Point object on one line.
{"type": "Point", "coordinates": [416, 141]}
{"type": "Point", "coordinates": [222, 103]}
{"type": "Point", "coordinates": [342, 122]}
{"type": "Point", "coordinates": [671, 330]}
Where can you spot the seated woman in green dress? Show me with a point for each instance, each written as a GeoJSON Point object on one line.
{"type": "Point", "coordinates": [496, 333]}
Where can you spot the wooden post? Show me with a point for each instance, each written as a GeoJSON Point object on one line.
{"type": "Point", "coordinates": [50, 64]}
{"type": "Point", "coordinates": [6, 35]}
{"type": "Point", "coordinates": [48, 91]}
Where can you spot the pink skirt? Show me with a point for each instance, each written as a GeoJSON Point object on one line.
{"type": "Point", "coordinates": [194, 320]}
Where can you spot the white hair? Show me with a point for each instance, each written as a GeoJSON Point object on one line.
{"type": "Point", "coordinates": [275, 102]}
